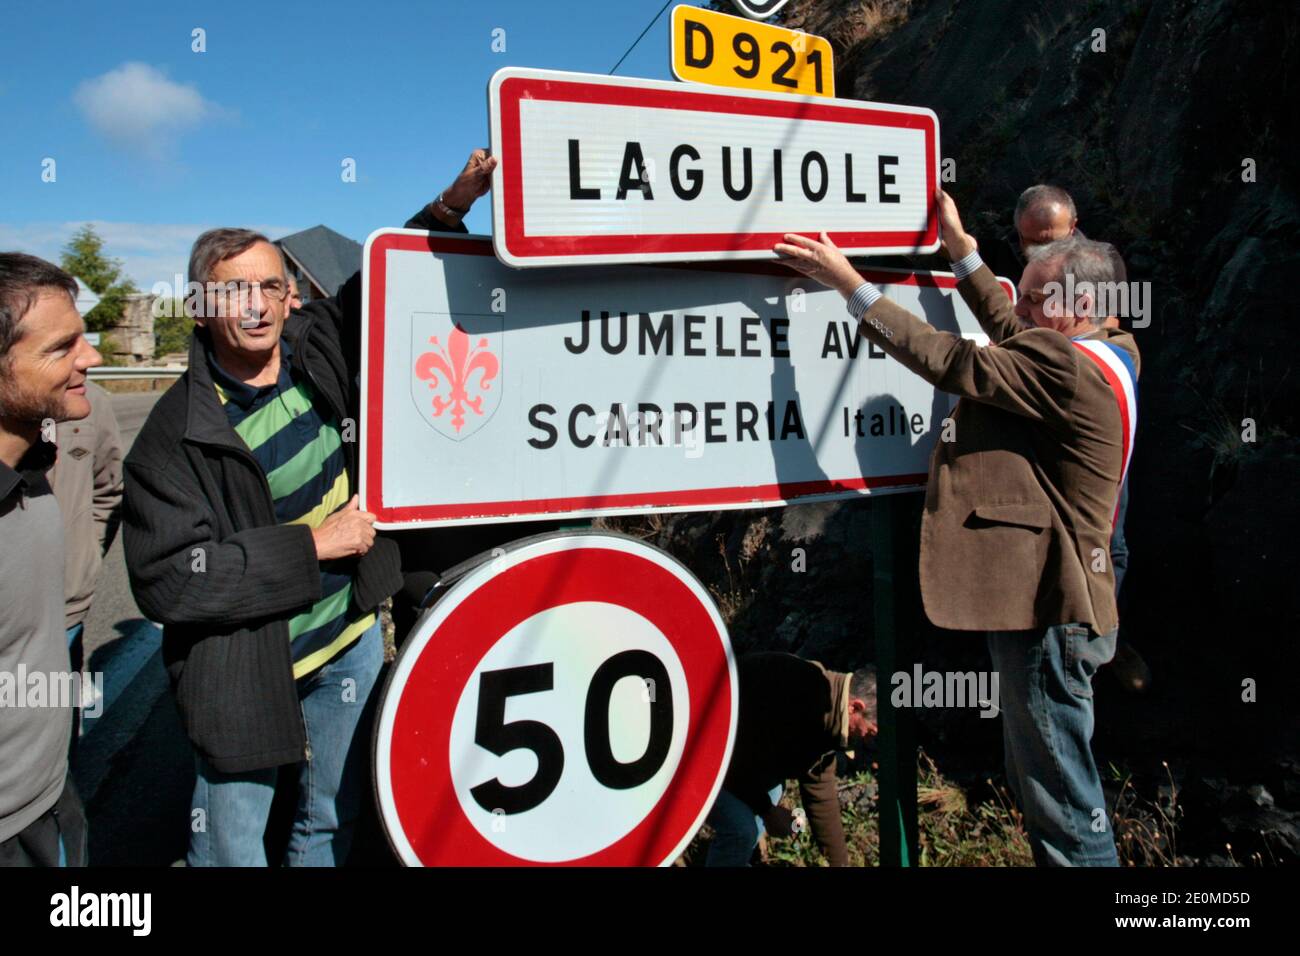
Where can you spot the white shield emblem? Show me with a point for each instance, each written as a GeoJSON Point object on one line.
{"type": "Point", "coordinates": [455, 370]}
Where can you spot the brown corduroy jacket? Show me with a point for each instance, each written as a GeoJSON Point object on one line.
{"type": "Point", "coordinates": [87, 482]}
{"type": "Point", "coordinates": [792, 720]}
{"type": "Point", "coordinates": [1018, 508]}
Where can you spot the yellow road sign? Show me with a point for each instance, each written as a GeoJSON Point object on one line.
{"type": "Point", "coordinates": [722, 50]}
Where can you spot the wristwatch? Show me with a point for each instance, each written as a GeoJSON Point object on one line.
{"type": "Point", "coordinates": [446, 210]}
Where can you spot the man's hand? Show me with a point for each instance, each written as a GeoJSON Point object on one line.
{"type": "Point", "coordinates": [348, 532]}
{"type": "Point", "coordinates": [474, 180]}
{"type": "Point", "coordinates": [820, 261]}
{"type": "Point", "coordinates": [779, 822]}
{"type": "Point", "coordinates": [955, 241]}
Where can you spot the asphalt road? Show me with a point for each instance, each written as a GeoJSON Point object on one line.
{"type": "Point", "coordinates": [133, 765]}
{"type": "Point", "coordinates": [113, 602]}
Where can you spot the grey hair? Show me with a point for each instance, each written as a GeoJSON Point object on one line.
{"type": "Point", "coordinates": [862, 684]}
{"type": "Point", "coordinates": [1041, 196]}
{"type": "Point", "coordinates": [1086, 261]}
{"type": "Point", "coordinates": [218, 245]}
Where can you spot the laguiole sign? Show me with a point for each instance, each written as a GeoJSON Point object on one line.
{"type": "Point", "coordinates": [599, 169]}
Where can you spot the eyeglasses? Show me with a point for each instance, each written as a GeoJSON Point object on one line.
{"type": "Point", "coordinates": [241, 293]}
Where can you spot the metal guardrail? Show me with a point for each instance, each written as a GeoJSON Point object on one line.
{"type": "Point", "coordinates": [117, 373]}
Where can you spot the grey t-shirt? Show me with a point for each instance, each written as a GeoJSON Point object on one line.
{"type": "Point", "coordinates": [35, 714]}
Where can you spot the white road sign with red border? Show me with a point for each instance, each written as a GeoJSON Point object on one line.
{"type": "Point", "coordinates": [493, 394]}
{"type": "Point", "coordinates": [569, 701]}
{"type": "Point", "coordinates": [609, 169]}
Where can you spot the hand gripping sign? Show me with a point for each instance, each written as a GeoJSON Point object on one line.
{"type": "Point", "coordinates": [496, 394]}
{"type": "Point", "coordinates": [570, 700]}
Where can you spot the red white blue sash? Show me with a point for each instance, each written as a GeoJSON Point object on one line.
{"type": "Point", "coordinates": [1117, 368]}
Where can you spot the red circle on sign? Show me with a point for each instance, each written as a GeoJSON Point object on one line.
{"type": "Point", "coordinates": [420, 777]}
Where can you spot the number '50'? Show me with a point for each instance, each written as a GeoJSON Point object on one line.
{"type": "Point", "coordinates": [493, 734]}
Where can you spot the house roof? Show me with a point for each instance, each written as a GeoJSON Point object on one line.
{"type": "Point", "coordinates": [328, 258]}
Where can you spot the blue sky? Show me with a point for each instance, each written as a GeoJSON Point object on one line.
{"type": "Point", "coordinates": [153, 142]}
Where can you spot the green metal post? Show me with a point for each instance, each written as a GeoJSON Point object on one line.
{"type": "Point", "coordinates": [894, 543]}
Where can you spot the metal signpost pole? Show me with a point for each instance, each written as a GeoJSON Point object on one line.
{"type": "Point", "coordinates": [893, 604]}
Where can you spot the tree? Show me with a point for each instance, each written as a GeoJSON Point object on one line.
{"type": "Point", "coordinates": [171, 327]}
{"type": "Point", "coordinates": [84, 258]}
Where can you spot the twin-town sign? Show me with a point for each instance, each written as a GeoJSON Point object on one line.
{"type": "Point", "coordinates": [630, 389]}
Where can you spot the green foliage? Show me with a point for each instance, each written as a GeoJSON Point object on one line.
{"type": "Point", "coordinates": [954, 830]}
{"type": "Point", "coordinates": [108, 349]}
{"type": "Point", "coordinates": [171, 327]}
{"type": "Point", "coordinates": [951, 831]}
{"type": "Point", "coordinates": [84, 258]}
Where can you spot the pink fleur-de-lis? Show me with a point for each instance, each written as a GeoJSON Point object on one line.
{"type": "Point", "coordinates": [452, 367]}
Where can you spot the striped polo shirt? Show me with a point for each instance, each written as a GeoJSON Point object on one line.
{"type": "Point", "coordinates": [297, 440]}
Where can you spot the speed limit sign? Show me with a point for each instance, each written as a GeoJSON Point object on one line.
{"type": "Point", "coordinates": [571, 699]}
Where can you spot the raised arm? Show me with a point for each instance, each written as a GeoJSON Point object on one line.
{"type": "Point", "coordinates": [1033, 373]}
{"type": "Point", "coordinates": [342, 312]}
{"type": "Point", "coordinates": [976, 282]}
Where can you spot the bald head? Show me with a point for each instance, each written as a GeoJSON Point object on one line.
{"type": "Point", "coordinates": [1044, 214]}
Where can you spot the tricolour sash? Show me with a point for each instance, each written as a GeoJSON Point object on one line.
{"type": "Point", "coordinates": [1117, 368]}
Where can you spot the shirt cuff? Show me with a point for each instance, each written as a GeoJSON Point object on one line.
{"type": "Point", "coordinates": [863, 298]}
{"type": "Point", "coordinates": [967, 264]}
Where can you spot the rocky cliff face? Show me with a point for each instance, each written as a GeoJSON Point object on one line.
{"type": "Point", "coordinates": [1168, 122]}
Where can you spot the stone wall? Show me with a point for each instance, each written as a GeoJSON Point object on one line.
{"type": "Point", "coordinates": [133, 339]}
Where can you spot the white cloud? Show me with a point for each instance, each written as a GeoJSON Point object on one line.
{"type": "Point", "coordinates": [137, 107]}
{"type": "Point", "coordinates": [150, 252]}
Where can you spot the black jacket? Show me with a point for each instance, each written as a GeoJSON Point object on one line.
{"type": "Point", "coordinates": [208, 560]}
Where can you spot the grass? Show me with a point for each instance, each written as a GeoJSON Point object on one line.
{"type": "Point", "coordinates": [647, 527]}
{"type": "Point", "coordinates": [950, 831]}
{"type": "Point", "coordinates": [732, 598]}
{"type": "Point", "coordinates": [1146, 831]}
{"type": "Point", "coordinates": [1223, 433]}
{"type": "Point", "coordinates": [954, 831]}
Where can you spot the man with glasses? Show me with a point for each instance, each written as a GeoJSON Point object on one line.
{"type": "Point", "coordinates": [245, 540]}
{"type": "Point", "coordinates": [1020, 504]}
{"type": "Point", "coordinates": [1046, 214]}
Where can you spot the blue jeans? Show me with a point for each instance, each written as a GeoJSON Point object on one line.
{"type": "Point", "coordinates": [76, 645]}
{"type": "Point", "coordinates": [735, 829]}
{"type": "Point", "coordinates": [1045, 683]}
{"type": "Point", "coordinates": [337, 707]}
